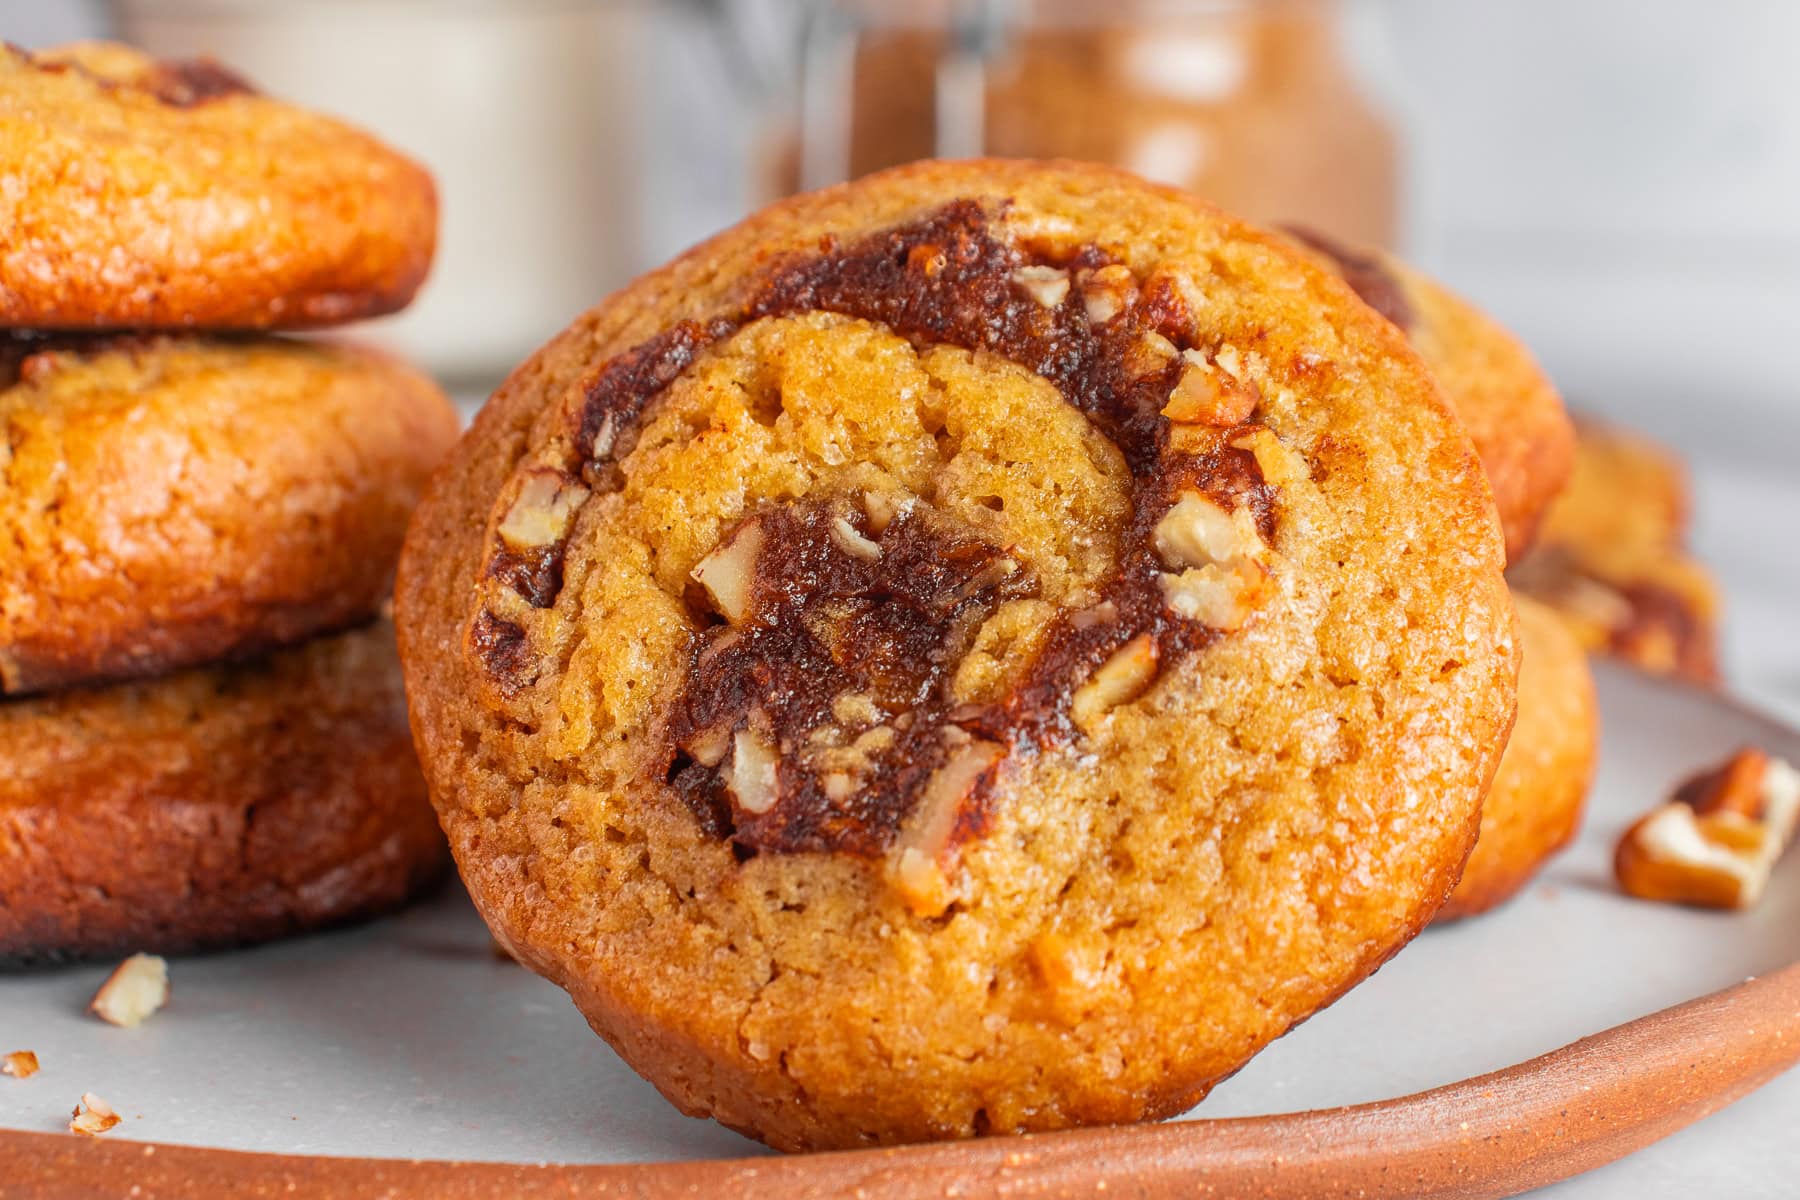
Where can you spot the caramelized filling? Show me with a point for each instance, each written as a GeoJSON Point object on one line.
{"type": "Point", "coordinates": [815, 715]}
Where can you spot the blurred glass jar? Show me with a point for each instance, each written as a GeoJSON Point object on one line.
{"type": "Point", "coordinates": [562, 134]}
{"type": "Point", "coordinates": [1250, 103]}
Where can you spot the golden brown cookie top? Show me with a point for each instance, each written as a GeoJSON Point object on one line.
{"type": "Point", "coordinates": [176, 83]}
{"type": "Point", "coordinates": [148, 193]}
{"type": "Point", "coordinates": [169, 500]}
{"type": "Point", "coordinates": [1512, 411]}
{"type": "Point", "coordinates": [1007, 556]}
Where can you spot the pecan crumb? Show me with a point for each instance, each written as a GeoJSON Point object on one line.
{"type": "Point", "coordinates": [93, 1116]}
{"type": "Point", "coordinates": [1207, 394]}
{"type": "Point", "coordinates": [1119, 680]}
{"type": "Point", "coordinates": [1107, 292]}
{"type": "Point", "coordinates": [916, 868]}
{"type": "Point", "coordinates": [133, 992]}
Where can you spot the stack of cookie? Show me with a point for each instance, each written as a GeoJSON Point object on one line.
{"type": "Point", "coordinates": [203, 736]}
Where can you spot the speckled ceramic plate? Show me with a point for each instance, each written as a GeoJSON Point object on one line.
{"type": "Point", "coordinates": [409, 1039]}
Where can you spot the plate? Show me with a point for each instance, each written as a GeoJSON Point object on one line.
{"type": "Point", "coordinates": [410, 1038]}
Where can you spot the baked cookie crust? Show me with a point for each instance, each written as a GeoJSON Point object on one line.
{"type": "Point", "coordinates": [146, 194]}
{"type": "Point", "coordinates": [169, 501]}
{"type": "Point", "coordinates": [1613, 559]}
{"type": "Point", "coordinates": [1512, 411]}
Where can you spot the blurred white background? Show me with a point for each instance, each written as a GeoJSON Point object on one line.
{"type": "Point", "coordinates": [1618, 180]}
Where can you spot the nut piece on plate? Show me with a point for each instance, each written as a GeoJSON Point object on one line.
{"type": "Point", "coordinates": [20, 1064]}
{"type": "Point", "coordinates": [92, 1116]}
{"type": "Point", "coordinates": [1716, 842]}
{"type": "Point", "coordinates": [133, 992]}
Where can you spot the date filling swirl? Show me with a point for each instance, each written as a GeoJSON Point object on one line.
{"type": "Point", "coordinates": [816, 712]}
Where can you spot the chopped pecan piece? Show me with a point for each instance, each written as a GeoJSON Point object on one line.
{"type": "Point", "coordinates": [851, 541]}
{"type": "Point", "coordinates": [136, 989]}
{"type": "Point", "coordinates": [916, 864]}
{"type": "Point", "coordinates": [751, 779]}
{"type": "Point", "coordinates": [543, 510]}
{"type": "Point", "coordinates": [1223, 597]}
{"type": "Point", "coordinates": [92, 1116]}
{"type": "Point", "coordinates": [729, 573]}
{"type": "Point", "coordinates": [1277, 462]}
{"type": "Point", "coordinates": [1197, 531]}
{"type": "Point", "coordinates": [1207, 395]}
{"type": "Point", "coordinates": [1218, 576]}
{"type": "Point", "coordinates": [1107, 292]}
{"type": "Point", "coordinates": [1120, 679]}
{"type": "Point", "coordinates": [1150, 355]}
{"type": "Point", "coordinates": [1716, 842]}
{"type": "Point", "coordinates": [1049, 286]}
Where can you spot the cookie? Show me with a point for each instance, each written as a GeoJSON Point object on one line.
{"type": "Point", "coordinates": [174, 500]}
{"type": "Point", "coordinates": [1624, 488]}
{"type": "Point", "coordinates": [1507, 403]}
{"type": "Point", "coordinates": [1535, 804]}
{"type": "Point", "coordinates": [983, 648]}
{"type": "Point", "coordinates": [1613, 560]}
{"type": "Point", "coordinates": [141, 193]}
{"type": "Point", "coordinates": [214, 807]}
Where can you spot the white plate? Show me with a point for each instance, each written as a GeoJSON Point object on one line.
{"type": "Point", "coordinates": [407, 1038]}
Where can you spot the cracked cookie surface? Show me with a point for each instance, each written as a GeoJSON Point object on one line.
{"type": "Point", "coordinates": [212, 807]}
{"type": "Point", "coordinates": [1509, 406]}
{"type": "Point", "coordinates": [142, 194]}
{"type": "Point", "coordinates": [169, 501]}
{"type": "Point", "coordinates": [982, 649]}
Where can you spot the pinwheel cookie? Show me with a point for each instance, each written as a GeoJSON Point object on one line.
{"type": "Point", "coordinates": [984, 648]}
